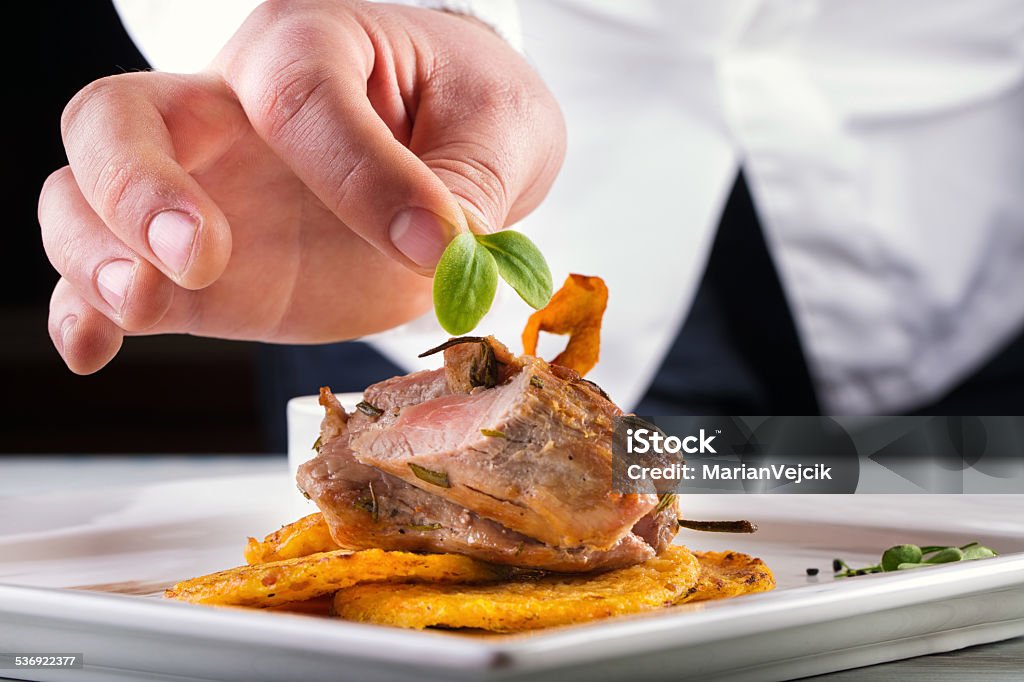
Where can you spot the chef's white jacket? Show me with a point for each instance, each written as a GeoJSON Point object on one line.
{"type": "Point", "coordinates": [883, 141]}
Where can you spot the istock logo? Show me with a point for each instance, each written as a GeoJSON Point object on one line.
{"type": "Point", "coordinates": [642, 441]}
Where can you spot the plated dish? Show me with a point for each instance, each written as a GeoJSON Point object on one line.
{"type": "Point", "coordinates": [468, 501]}
{"type": "Point", "coordinates": [85, 571]}
{"type": "Point", "coordinates": [478, 495]}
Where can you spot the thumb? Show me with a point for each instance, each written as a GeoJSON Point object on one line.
{"type": "Point", "coordinates": [497, 146]}
{"type": "Point", "coordinates": [487, 125]}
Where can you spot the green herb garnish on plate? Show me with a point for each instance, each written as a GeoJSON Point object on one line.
{"type": "Point", "coordinates": [907, 557]}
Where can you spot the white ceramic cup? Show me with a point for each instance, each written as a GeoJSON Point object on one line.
{"type": "Point", "coordinates": [304, 416]}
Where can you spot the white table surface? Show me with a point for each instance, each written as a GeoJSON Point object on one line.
{"type": "Point", "coordinates": [21, 475]}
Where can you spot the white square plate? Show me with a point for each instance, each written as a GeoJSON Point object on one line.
{"type": "Point", "coordinates": [82, 573]}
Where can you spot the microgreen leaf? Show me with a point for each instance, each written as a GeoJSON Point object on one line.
{"type": "Point", "coordinates": [465, 280]}
{"type": "Point", "coordinates": [948, 555]}
{"type": "Point", "coordinates": [908, 557]}
{"type": "Point", "coordinates": [978, 552]}
{"type": "Point", "coordinates": [912, 565]}
{"type": "Point", "coordinates": [521, 264]}
{"type": "Point", "coordinates": [900, 554]}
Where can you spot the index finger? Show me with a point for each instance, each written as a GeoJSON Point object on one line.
{"type": "Point", "coordinates": [128, 162]}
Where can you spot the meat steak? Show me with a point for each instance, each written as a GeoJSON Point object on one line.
{"type": "Point", "coordinates": [504, 458]}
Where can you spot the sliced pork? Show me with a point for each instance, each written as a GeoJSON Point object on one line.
{"type": "Point", "coordinates": [533, 452]}
{"type": "Point", "coordinates": [504, 458]}
{"type": "Point", "coordinates": [367, 508]}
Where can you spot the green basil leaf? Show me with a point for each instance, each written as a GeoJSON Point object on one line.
{"type": "Point", "coordinates": [465, 280]}
{"type": "Point", "coordinates": [521, 264]}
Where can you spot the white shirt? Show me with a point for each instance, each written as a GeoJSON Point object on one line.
{"type": "Point", "coordinates": [883, 142]}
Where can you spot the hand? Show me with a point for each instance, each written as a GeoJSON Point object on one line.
{"type": "Point", "coordinates": [299, 190]}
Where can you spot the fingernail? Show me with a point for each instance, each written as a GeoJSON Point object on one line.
{"type": "Point", "coordinates": [171, 236]}
{"type": "Point", "coordinates": [65, 330]}
{"type": "Point", "coordinates": [113, 280]}
{"type": "Point", "coordinates": [420, 235]}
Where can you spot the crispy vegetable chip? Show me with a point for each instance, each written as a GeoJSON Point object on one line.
{"type": "Point", "coordinates": [306, 536]}
{"type": "Point", "coordinates": [525, 604]}
{"type": "Point", "coordinates": [292, 580]}
{"type": "Point", "coordinates": [729, 574]}
{"type": "Point", "coordinates": [576, 309]}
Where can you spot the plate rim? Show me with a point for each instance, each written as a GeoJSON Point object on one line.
{"type": "Point", "coordinates": [798, 606]}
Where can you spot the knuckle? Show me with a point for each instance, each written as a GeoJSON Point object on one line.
{"type": "Point", "coordinates": [293, 83]}
{"type": "Point", "coordinates": [112, 178]}
{"type": "Point", "coordinates": [68, 251]}
{"type": "Point", "coordinates": [291, 96]}
{"type": "Point", "coordinates": [353, 177]}
{"type": "Point", "coordinates": [504, 97]}
{"type": "Point", "coordinates": [65, 248]}
{"type": "Point", "coordinates": [271, 12]}
{"type": "Point", "coordinates": [94, 97]}
{"type": "Point", "coordinates": [104, 172]}
{"type": "Point", "coordinates": [493, 95]}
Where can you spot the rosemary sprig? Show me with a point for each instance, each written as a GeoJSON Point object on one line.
{"type": "Point", "coordinates": [719, 526]}
{"type": "Point", "coordinates": [369, 409]}
{"type": "Point", "coordinates": [373, 497]}
{"type": "Point", "coordinates": [438, 478]}
{"type": "Point", "coordinates": [664, 500]}
{"type": "Point", "coordinates": [452, 342]}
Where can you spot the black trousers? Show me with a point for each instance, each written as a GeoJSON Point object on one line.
{"type": "Point", "coordinates": [737, 353]}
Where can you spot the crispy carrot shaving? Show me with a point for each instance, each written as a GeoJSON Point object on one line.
{"type": "Point", "coordinates": [576, 309]}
